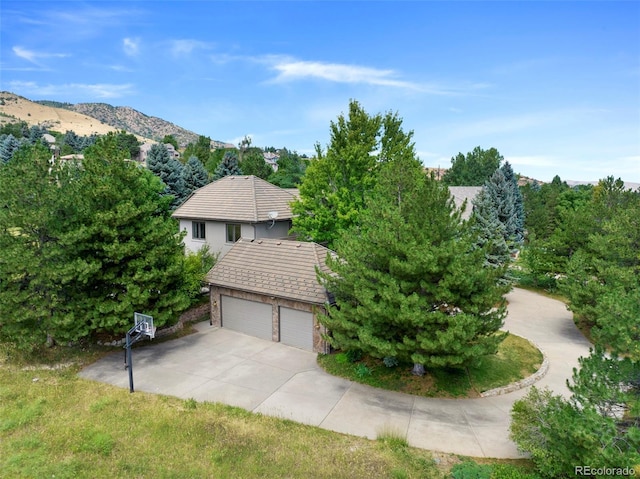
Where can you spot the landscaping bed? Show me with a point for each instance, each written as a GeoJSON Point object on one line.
{"type": "Point", "coordinates": [516, 359]}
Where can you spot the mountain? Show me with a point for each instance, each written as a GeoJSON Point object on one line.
{"type": "Point", "coordinates": [126, 118]}
{"type": "Point", "coordinates": [14, 108]}
{"type": "Point", "coordinates": [88, 118]}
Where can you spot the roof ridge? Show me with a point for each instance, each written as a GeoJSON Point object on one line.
{"type": "Point", "coordinates": [255, 198]}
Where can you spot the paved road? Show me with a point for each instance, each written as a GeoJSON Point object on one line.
{"type": "Point", "coordinates": [219, 365]}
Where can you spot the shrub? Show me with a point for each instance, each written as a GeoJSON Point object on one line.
{"type": "Point", "coordinates": [362, 370]}
{"type": "Point", "coordinates": [354, 355]}
{"type": "Point", "coordinates": [390, 362]}
{"type": "Point", "coordinates": [508, 471]}
{"type": "Point", "coordinates": [471, 470]}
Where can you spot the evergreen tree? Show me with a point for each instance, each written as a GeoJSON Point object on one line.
{"type": "Point", "coordinates": [84, 247]}
{"type": "Point", "coordinates": [518, 202]}
{"type": "Point", "coordinates": [170, 171]}
{"type": "Point", "coordinates": [32, 300]}
{"type": "Point", "coordinates": [227, 167]}
{"type": "Point", "coordinates": [35, 134]}
{"type": "Point", "coordinates": [474, 169]}
{"type": "Point", "coordinates": [501, 195]}
{"type": "Point", "coordinates": [195, 176]}
{"type": "Point", "coordinates": [333, 189]}
{"type": "Point", "coordinates": [8, 147]}
{"type": "Point", "coordinates": [489, 231]}
{"type": "Point", "coordinates": [408, 282]}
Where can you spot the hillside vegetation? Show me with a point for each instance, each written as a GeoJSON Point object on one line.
{"type": "Point", "coordinates": [89, 118]}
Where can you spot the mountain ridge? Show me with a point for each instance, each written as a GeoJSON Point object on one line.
{"type": "Point", "coordinates": [89, 118]}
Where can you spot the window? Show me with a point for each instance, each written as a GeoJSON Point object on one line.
{"type": "Point", "coordinates": [198, 230]}
{"type": "Point", "coordinates": [233, 233]}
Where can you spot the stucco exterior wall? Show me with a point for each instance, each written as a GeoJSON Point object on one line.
{"type": "Point", "coordinates": [319, 344]}
{"type": "Point", "coordinates": [216, 234]}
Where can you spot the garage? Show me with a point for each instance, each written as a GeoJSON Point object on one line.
{"type": "Point", "coordinates": [244, 316]}
{"type": "Point", "coordinates": [296, 328]}
{"type": "Point", "coordinates": [269, 289]}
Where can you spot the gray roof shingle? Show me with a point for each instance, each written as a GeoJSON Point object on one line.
{"type": "Point", "coordinates": [461, 193]}
{"type": "Point", "coordinates": [237, 198]}
{"type": "Point", "coordinates": [286, 269]}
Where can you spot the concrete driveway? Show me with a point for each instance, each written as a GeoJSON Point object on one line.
{"type": "Point", "coordinates": [219, 365]}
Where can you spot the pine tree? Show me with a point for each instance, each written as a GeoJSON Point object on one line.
{"type": "Point", "coordinates": [8, 147]}
{"type": "Point", "coordinates": [195, 176]}
{"type": "Point", "coordinates": [518, 201]}
{"type": "Point", "coordinates": [84, 247]}
{"type": "Point", "coordinates": [227, 167]}
{"type": "Point", "coordinates": [408, 282]}
{"type": "Point", "coordinates": [501, 195]}
{"type": "Point", "coordinates": [489, 231]}
{"type": "Point", "coordinates": [170, 171]}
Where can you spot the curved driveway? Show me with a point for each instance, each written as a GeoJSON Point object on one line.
{"type": "Point", "coordinates": [218, 365]}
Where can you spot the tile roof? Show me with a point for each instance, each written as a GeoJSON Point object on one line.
{"type": "Point", "coordinates": [237, 198]}
{"type": "Point", "coordinates": [461, 193]}
{"type": "Point", "coordinates": [286, 269]}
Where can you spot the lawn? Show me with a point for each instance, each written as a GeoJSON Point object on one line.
{"type": "Point", "coordinates": [516, 359]}
{"type": "Point", "coordinates": [55, 424]}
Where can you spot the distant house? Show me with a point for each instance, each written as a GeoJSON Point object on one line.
{"type": "Point", "coordinates": [269, 289]}
{"type": "Point", "coordinates": [271, 159]}
{"type": "Point", "coordinates": [234, 207]}
{"type": "Point", "coordinates": [145, 147]}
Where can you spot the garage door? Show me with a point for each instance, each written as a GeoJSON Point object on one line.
{"type": "Point", "coordinates": [296, 328]}
{"type": "Point", "coordinates": [249, 317]}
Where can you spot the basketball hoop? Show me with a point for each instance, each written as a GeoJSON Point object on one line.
{"type": "Point", "coordinates": [143, 327]}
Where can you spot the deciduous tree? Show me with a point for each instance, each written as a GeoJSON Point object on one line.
{"type": "Point", "coordinates": [333, 189]}
{"type": "Point", "coordinates": [474, 168]}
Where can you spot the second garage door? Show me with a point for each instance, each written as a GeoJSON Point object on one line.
{"type": "Point", "coordinates": [249, 317]}
{"type": "Point", "coordinates": [296, 328]}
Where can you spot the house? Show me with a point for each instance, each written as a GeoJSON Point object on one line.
{"type": "Point", "coordinates": [234, 207]}
{"type": "Point", "coordinates": [146, 147]}
{"type": "Point", "coordinates": [271, 159]}
{"type": "Point", "coordinates": [268, 288]}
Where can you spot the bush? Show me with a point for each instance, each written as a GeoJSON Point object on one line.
{"type": "Point", "coordinates": [471, 470]}
{"type": "Point", "coordinates": [362, 370]}
{"type": "Point", "coordinates": [390, 362]}
{"type": "Point", "coordinates": [196, 266]}
{"type": "Point", "coordinates": [507, 471]}
{"type": "Point", "coordinates": [354, 355]}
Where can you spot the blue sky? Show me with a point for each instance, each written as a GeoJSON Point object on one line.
{"type": "Point", "coordinates": [554, 86]}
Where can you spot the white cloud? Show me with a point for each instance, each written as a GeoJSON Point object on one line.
{"type": "Point", "coordinates": [88, 90]}
{"type": "Point", "coordinates": [131, 46]}
{"type": "Point", "coordinates": [290, 70]}
{"type": "Point", "coordinates": [539, 160]}
{"type": "Point", "coordinates": [186, 46]}
{"type": "Point", "coordinates": [34, 56]}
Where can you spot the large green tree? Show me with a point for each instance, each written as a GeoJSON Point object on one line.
{"type": "Point", "coordinates": [408, 282]}
{"type": "Point", "coordinates": [195, 176]}
{"type": "Point", "coordinates": [170, 171]}
{"type": "Point", "coordinates": [32, 301]}
{"type": "Point", "coordinates": [474, 168]}
{"type": "Point", "coordinates": [84, 247]}
{"type": "Point", "coordinates": [334, 186]}
{"type": "Point", "coordinates": [253, 163]}
{"type": "Point", "coordinates": [227, 167]}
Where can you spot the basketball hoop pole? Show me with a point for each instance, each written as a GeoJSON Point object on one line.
{"type": "Point", "coordinates": [142, 328]}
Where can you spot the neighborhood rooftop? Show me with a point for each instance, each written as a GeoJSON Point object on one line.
{"type": "Point", "coordinates": [462, 193]}
{"type": "Point", "coordinates": [237, 198]}
{"type": "Point", "coordinates": [282, 268]}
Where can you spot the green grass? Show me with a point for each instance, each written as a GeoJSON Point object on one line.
{"type": "Point", "coordinates": [55, 424]}
{"type": "Point", "coordinates": [516, 359]}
